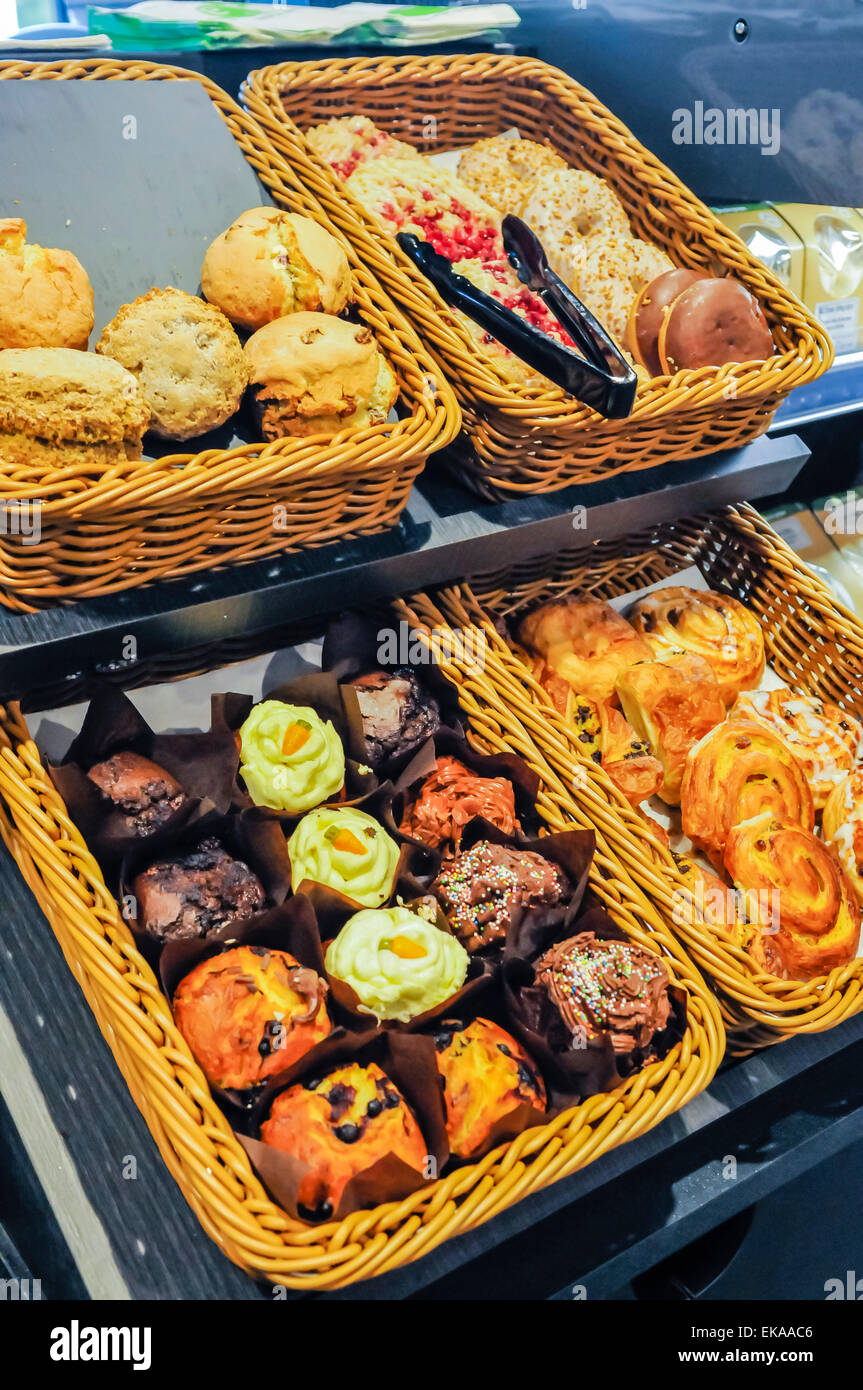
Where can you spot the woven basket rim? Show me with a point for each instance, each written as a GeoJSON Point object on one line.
{"type": "Point", "coordinates": [193, 1135]}
{"type": "Point", "coordinates": [812, 354]}
{"type": "Point", "coordinates": [782, 1006]}
{"type": "Point", "coordinates": [434, 419]}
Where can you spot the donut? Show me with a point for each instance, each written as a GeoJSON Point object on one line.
{"type": "Point", "coordinates": [711, 323]}
{"type": "Point", "coordinates": [648, 311]}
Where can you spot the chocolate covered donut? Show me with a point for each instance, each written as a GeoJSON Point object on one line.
{"type": "Point", "coordinates": [648, 311]}
{"type": "Point", "coordinates": [711, 323]}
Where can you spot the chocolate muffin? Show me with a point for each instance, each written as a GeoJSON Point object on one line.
{"type": "Point", "coordinates": [195, 893]}
{"type": "Point", "coordinates": [451, 796]}
{"type": "Point", "coordinates": [598, 988]}
{"type": "Point", "coordinates": [145, 794]}
{"type": "Point", "coordinates": [484, 889]}
{"type": "Point", "coordinates": [398, 714]}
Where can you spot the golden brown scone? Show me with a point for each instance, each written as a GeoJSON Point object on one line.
{"type": "Point", "coordinates": [312, 373]}
{"type": "Point", "coordinates": [59, 406]}
{"type": "Point", "coordinates": [187, 359]}
{"type": "Point", "coordinates": [504, 171]}
{"type": "Point", "coordinates": [585, 642]}
{"type": "Point", "coordinates": [269, 263]}
{"type": "Point", "coordinates": [46, 299]}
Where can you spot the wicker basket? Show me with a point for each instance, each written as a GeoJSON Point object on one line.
{"type": "Point", "coordinates": [193, 1136]}
{"type": "Point", "coordinates": [812, 643]}
{"type": "Point", "coordinates": [446, 102]}
{"type": "Point", "coordinates": [102, 534]}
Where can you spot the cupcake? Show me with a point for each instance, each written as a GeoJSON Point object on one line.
{"type": "Point", "coordinates": [290, 758]}
{"type": "Point", "coordinates": [145, 795]}
{"type": "Point", "coordinates": [195, 893]}
{"type": "Point", "coordinates": [452, 796]}
{"type": "Point", "coordinates": [485, 889]}
{"type": "Point", "coordinates": [339, 1127]}
{"type": "Point", "coordinates": [345, 849]}
{"type": "Point", "coordinates": [595, 989]}
{"type": "Point", "coordinates": [398, 715]}
{"type": "Point", "coordinates": [398, 964]}
{"type": "Point", "coordinates": [486, 1075]}
{"type": "Point", "coordinates": [249, 1014]}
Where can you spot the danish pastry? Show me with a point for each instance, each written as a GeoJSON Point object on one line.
{"type": "Point", "coordinates": [810, 919]}
{"type": "Point", "coordinates": [605, 737]}
{"type": "Point", "coordinates": [823, 738]}
{"type": "Point", "coordinates": [585, 642]}
{"type": "Point", "coordinates": [735, 772]}
{"type": "Point", "coordinates": [715, 626]}
{"type": "Point", "coordinates": [671, 702]}
{"type": "Point", "coordinates": [842, 825]}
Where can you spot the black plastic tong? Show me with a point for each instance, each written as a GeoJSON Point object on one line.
{"type": "Point", "coordinates": [602, 378]}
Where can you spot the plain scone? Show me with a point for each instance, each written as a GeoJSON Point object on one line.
{"type": "Point", "coordinates": [187, 359]}
{"type": "Point", "coordinates": [312, 373]}
{"type": "Point", "coordinates": [269, 263]}
{"type": "Point", "coordinates": [59, 406]}
{"type": "Point", "coordinates": [46, 299]}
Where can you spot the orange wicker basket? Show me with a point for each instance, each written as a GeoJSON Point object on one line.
{"type": "Point", "coordinates": [195, 1140]}
{"type": "Point", "coordinates": [525, 439]}
{"type": "Point", "coordinates": [813, 644]}
{"type": "Point", "coordinates": [153, 521]}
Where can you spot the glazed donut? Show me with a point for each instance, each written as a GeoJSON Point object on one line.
{"type": "Point", "coordinates": [708, 624]}
{"type": "Point", "coordinates": [810, 919]}
{"type": "Point", "coordinates": [713, 322]}
{"type": "Point", "coordinates": [671, 702]}
{"type": "Point", "coordinates": [608, 273]}
{"type": "Point", "coordinates": [648, 312]}
{"type": "Point", "coordinates": [584, 641]}
{"type": "Point", "coordinates": [825, 740]}
{"type": "Point", "coordinates": [736, 772]}
{"type": "Point", "coordinates": [566, 204]}
{"type": "Point", "coordinates": [842, 825]}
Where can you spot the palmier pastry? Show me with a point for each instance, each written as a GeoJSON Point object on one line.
{"type": "Point", "coordinates": [486, 1075]}
{"type": "Point", "coordinates": [843, 827]}
{"type": "Point", "coordinates": [807, 906]}
{"type": "Point", "coordinates": [584, 641]}
{"type": "Point", "coordinates": [250, 1013]}
{"type": "Point", "coordinates": [671, 702]}
{"type": "Point", "coordinates": [707, 624]}
{"type": "Point", "coordinates": [823, 738]}
{"type": "Point", "coordinates": [450, 797]}
{"type": "Point", "coordinates": [736, 772]}
{"type": "Point", "coordinates": [339, 1127]}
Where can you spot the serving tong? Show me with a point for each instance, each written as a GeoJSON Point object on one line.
{"type": "Point", "coordinates": [601, 378]}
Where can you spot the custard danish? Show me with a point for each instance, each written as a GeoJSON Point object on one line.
{"type": "Point", "coordinates": [671, 702]}
{"type": "Point", "coordinates": [585, 642]}
{"type": "Point", "coordinates": [842, 825]}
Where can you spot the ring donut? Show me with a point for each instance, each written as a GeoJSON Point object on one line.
{"type": "Point", "coordinates": [711, 323]}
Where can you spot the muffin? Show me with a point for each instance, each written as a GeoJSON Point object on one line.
{"type": "Point", "coordinates": [315, 374]}
{"type": "Point", "coordinates": [484, 890]}
{"type": "Point", "coordinates": [486, 1075]}
{"type": "Point", "coordinates": [339, 1127]}
{"type": "Point", "coordinates": [346, 849]}
{"type": "Point", "coordinates": [46, 299]}
{"type": "Point", "coordinates": [397, 713]}
{"type": "Point", "coordinates": [250, 1013]}
{"type": "Point", "coordinates": [187, 359]}
{"type": "Point", "coordinates": [145, 795]}
{"type": "Point", "coordinates": [290, 758]}
{"type": "Point", "coordinates": [452, 796]}
{"type": "Point", "coordinates": [65, 409]}
{"type": "Point", "coordinates": [195, 893]}
{"type": "Point", "coordinates": [270, 263]}
{"type": "Point", "coordinates": [398, 964]}
{"type": "Point", "coordinates": [595, 989]}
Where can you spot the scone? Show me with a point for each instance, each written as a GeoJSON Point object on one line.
{"type": "Point", "coordinates": [269, 263]}
{"type": "Point", "coordinates": [187, 359]}
{"type": "Point", "coordinates": [503, 171]}
{"type": "Point", "coordinates": [64, 408]}
{"type": "Point", "coordinates": [313, 374]}
{"type": "Point", "coordinates": [46, 299]}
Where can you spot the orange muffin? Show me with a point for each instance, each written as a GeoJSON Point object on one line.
{"type": "Point", "coordinates": [250, 1013]}
{"type": "Point", "coordinates": [486, 1075]}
